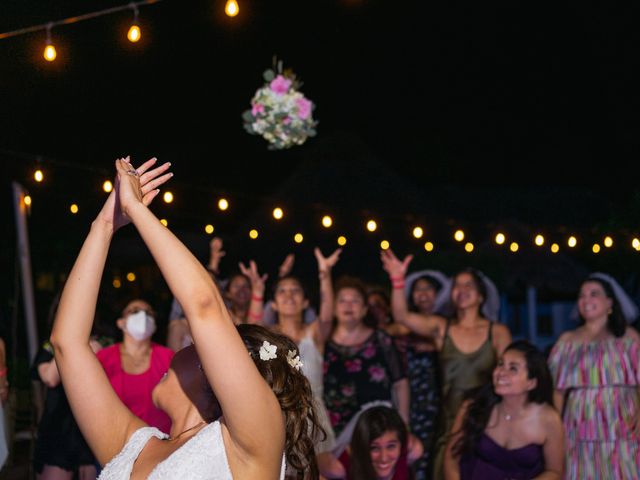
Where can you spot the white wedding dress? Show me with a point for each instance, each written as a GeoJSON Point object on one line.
{"type": "Point", "coordinates": [202, 457]}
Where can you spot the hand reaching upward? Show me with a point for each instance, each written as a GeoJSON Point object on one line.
{"type": "Point", "coordinates": [326, 263]}
{"type": "Point", "coordinates": [143, 186]}
{"type": "Point", "coordinates": [392, 265]}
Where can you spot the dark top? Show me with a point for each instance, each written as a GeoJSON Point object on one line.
{"type": "Point", "coordinates": [492, 461]}
{"type": "Point", "coordinates": [359, 374]}
{"type": "Point", "coordinates": [59, 441]}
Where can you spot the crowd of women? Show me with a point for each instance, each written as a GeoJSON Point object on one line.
{"type": "Point", "coordinates": [415, 381]}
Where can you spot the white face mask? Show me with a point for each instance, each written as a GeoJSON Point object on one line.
{"type": "Point", "coordinates": [140, 325]}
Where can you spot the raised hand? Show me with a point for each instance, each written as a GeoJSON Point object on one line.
{"type": "Point", "coordinates": [392, 265]}
{"type": "Point", "coordinates": [286, 266]}
{"type": "Point", "coordinates": [148, 180]}
{"type": "Point", "coordinates": [257, 280]}
{"type": "Point", "coordinates": [326, 263]}
{"type": "Point", "coordinates": [215, 253]}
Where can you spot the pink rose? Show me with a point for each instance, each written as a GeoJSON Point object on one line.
{"type": "Point", "coordinates": [280, 85]}
{"type": "Point", "coordinates": [369, 351]}
{"type": "Point", "coordinates": [304, 108]}
{"type": "Point", "coordinates": [353, 365]}
{"type": "Point", "coordinates": [256, 109]}
{"type": "Point", "coordinates": [286, 121]}
{"type": "Point", "coordinates": [376, 373]}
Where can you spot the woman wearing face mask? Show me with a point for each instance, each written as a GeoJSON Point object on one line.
{"type": "Point", "coordinates": [135, 365]}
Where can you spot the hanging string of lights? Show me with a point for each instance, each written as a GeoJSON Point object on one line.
{"type": "Point", "coordinates": [371, 224]}
{"type": "Point", "coordinates": [133, 34]}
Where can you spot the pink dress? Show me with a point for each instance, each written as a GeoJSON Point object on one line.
{"type": "Point", "coordinates": [135, 390]}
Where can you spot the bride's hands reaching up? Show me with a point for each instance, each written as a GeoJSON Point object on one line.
{"type": "Point", "coordinates": [133, 186]}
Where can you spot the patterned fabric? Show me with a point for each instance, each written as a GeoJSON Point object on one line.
{"type": "Point", "coordinates": [356, 375]}
{"type": "Point", "coordinates": [425, 398]}
{"type": "Point", "coordinates": [602, 405]}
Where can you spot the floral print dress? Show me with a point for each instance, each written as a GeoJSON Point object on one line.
{"type": "Point", "coordinates": [359, 374]}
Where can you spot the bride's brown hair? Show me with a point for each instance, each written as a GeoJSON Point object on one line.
{"type": "Point", "coordinates": [293, 391]}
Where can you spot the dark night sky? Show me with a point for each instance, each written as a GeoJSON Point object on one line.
{"type": "Point", "coordinates": [493, 111]}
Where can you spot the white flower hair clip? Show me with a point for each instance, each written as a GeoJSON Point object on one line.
{"type": "Point", "coordinates": [294, 360]}
{"type": "Point", "coordinates": [267, 351]}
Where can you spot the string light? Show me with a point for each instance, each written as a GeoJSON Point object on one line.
{"type": "Point", "coordinates": [635, 243]}
{"type": "Point", "coordinates": [164, 222]}
{"type": "Point", "coordinates": [253, 234]}
{"type": "Point", "coordinates": [555, 248]}
{"type": "Point", "coordinates": [131, 277]}
{"type": "Point", "coordinates": [418, 232]}
{"type": "Point", "coordinates": [49, 53]}
{"type": "Point", "coordinates": [458, 235]}
{"type": "Point", "coordinates": [231, 8]}
{"type": "Point", "coordinates": [500, 238]}
{"type": "Point", "coordinates": [428, 246]}
{"type": "Point", "coordinates": [595, 248]}
{"type": "Point", "coordinates": [107, 186]}
{"type": "Point", "coordinates": [27, 200]}
{"type": "Point", "coordinates": [116, 283]}
{"type": "Point", "coordinates": [134, 34]}
{"type": "Point", "coordinates": [73, 208]}
{"type": "Point", "coordinates": [468, 247]}
{"type": "Point", "coordinates": [342, 240]}
{"type": "Point", "coordinates": [167, 197]}
{"type": "Point", "coordinates": [208, 229]}
{"type": "Point", "coordinates": [539, 240]}
{"type": "Point", "coordinates": [298, 238]}
{"type": "Point", "coordinates": [38, 176]}
{"type": "Point", "coordinates": [327, 221]}
{"type": "Point", "coordinates": [278, 213]}
{"type": "Point", "coordinates": [384, 245]}
{"type": "Point", "coordinates": [608, 241]}
{"type": "Point", "coordinates": [372, 225]}
{"type": "Point", "coordinates": [572, 241]}
{"type": "Point", "coordinates": [223, 204]}
{"type": "Point", "coordinates": [514, 247]}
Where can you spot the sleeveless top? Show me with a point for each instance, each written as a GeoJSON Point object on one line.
{"type": "Point", "coordinates": [203, 456]}
{"type": "Point", "coordinates": [312, 365]}
{"type": "Point", "coordinates": [459, 373]}
{"type": "Point", "coordinates": [491, 460]}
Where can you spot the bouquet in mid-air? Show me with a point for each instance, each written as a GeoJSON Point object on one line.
{"type": "Point", "coordinates": [279, 111]}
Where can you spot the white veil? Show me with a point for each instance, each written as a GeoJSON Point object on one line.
{"type": "Point", "coordinates": [627, 306]}
{"type": "Point", "coordinates": [443, 295]}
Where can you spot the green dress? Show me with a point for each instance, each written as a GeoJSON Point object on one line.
{"type": "Point", "coordinates": [459, 373]}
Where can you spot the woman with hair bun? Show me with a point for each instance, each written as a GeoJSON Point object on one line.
{"type": "Point", "coordinates": [247, 373]}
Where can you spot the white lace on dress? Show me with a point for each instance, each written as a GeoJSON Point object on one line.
{"type": "Point", "coordinates": [202, 457]}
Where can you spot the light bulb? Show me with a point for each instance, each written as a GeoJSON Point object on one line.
{"type": "Point", "coordinates": [50, 53]}
{"type": "Point", "coordinates": [134, 33]}
{"type": "Point", "coordinates": [231, 8]}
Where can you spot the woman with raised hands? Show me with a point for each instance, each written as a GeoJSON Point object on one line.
{"type": "Point", "coordinates": [468, 344]}
{"type": "Point", "coordinates": [265, 401]}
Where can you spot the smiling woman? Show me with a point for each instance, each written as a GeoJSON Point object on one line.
{"type": "Point", "coordinates": [509, 429]}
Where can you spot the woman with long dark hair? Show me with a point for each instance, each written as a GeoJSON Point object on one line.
{"type": "Point", "coordinates": [509, 428]}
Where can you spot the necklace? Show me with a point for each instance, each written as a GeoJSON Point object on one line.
{"type": "Point", "coordinates": [187, 430]}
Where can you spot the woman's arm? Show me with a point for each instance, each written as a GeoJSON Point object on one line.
{"type": "Point", "coordinates": [501, 338]}
{"type": "Point", "coordinates": [553, 449]}
{"type": "Point", "coordinates": [451, 462]}
{"type": "Point", "coordinates": [325, 316]}
{"type": "Point", "coordinates": [252, 413]}
{"type": "Point", "coordinates": [425, 325]}
{"type": "Point", "coordinates": [105, 422]}
{"type": "Point", "coordinates": [401, 398]}
{"type": "Point", "coordinates": [558, 400]}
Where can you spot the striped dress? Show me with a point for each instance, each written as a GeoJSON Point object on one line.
{"type": "Point", "coordinates": [602, 382]}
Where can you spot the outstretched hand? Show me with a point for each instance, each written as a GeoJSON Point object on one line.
{"type": "Point", "coordinates": [286, 266]}
{"type": "Point", "coordinates": [326, 263]}
{"type": "Point", "coordinates": [141, 187]}
{"type": "Point", "coordinates": [392, 265]}
{"type": "Point", "coordinates": [257, 280]}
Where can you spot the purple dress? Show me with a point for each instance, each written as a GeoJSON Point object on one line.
{"type": "Point", "coordinates": [491, 461]}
